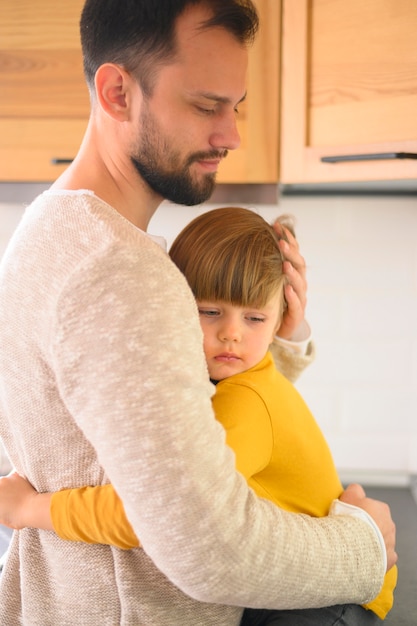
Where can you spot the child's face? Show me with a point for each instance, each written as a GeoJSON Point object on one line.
{"type": "Point", "coordinates": [236, 338]}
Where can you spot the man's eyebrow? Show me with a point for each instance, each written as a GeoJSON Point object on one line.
{"type": "Point", "coordinates": [221, 99]}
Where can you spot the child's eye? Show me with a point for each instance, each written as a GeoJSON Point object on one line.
{"type": "Point", "coordinates": [254, 318]}
{"type": "Point", "coordinates": [208, 312]}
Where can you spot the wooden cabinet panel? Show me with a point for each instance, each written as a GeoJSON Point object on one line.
{"type": "Point", "coordinates": [256, 160]}
{"type": "Point", "coordinates": [40, 25]}
{"type": "Point", "coordinates": [349, 86]}
{"type": "Point", "coordinates": [38, 150]}
{"type": "Point", "coordinates": [44, 106]}
{"type": "Point", "coordinates": [42, 83]}
{"type": "Point", "coordinates": [44, 103]}
{"type": "Point", "coordinates": [40, 60]}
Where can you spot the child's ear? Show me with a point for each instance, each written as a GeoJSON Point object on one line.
{"type": "Point", "coordinates": [113, 85]}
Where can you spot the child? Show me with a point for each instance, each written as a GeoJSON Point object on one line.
{"type": "Point", "coordinates": [233, 264]}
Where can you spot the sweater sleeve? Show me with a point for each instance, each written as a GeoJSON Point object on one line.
{"type": "Point", "coordinates": [92, 515]}
{"type": "Point", "coordinates": [289, 363]}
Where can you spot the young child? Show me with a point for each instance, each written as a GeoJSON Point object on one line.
{"type": "Point", "coordinates": [231, 259]}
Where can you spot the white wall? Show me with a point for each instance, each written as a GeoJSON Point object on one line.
{"type": "Point", "coordinates": [361, 254]}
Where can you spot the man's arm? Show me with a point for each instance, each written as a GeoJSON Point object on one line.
{"type": "Point", "coordinates": [355, 495]}
{"type": "Point", "coordinates": [290, 362]}
{"type": "Point", "coordinates": [70, 513]}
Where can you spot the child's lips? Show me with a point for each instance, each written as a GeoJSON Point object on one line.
{"type": "Point", "coordinates": [227, 357]}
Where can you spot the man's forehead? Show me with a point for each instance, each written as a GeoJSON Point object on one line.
{"type": "Point", "coordinates": [191, 29]}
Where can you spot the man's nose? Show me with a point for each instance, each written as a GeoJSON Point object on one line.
{"type": "Point", "coordinates": [226, 136]}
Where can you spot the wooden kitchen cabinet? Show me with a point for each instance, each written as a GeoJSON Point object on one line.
{"type": "Point", "coordinates": [44, 104]}
{"type": "Point", "coordinates": [349, 87]}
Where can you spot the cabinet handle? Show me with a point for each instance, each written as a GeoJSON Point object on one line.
{"type": "Point", "coordinates": [57, 161]}
{"type": "Point", "coordinates": [378, 156]}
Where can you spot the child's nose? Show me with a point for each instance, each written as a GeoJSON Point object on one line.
{"type": "Point", "coordinates": [230, 332]}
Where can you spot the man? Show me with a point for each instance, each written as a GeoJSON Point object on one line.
{"type": "Point", "coordinates": [102, 369]}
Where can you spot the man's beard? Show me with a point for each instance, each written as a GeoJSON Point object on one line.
{"type": "Point", "coordinates": [159, 166]}
{"type": "Point", "coordinates": [177, 187]}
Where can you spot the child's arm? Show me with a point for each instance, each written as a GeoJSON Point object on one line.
{"type": "Point", "coordinates": [92, 515]}
{"type": "Point", "coordinates": [88, 514]}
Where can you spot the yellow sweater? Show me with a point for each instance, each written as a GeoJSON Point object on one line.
{"type": "Point", "coordinates": [279, 448]}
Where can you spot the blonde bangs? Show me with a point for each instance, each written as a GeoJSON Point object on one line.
{"type": "Point", "coordinates": [231, 255]}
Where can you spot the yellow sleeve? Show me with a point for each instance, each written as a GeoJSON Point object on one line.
{"type": "Point", "coordinates": [92, 515]}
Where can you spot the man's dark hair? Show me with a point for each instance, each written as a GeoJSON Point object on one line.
{"type": "Point", "coordinates": [140, 34]}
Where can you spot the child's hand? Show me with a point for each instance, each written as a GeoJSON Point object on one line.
{"type": "Point", "coordinates": [16, 497]}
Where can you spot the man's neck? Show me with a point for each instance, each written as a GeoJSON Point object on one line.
{"type": "Point", "coordinates": [119, 185]}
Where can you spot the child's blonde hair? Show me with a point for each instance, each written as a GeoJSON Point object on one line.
{"type": "Point", "coordinates": [232, 255]}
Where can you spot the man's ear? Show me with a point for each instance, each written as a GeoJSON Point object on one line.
{"type": "Point", "coordinates": [112, 84]}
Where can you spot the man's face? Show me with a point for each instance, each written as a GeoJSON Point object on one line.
{"type": "Point", "coordinates": [188, 123]}
{"type": "Point", "coordinates": [166, 170]}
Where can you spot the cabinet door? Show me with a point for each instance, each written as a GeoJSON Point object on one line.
{"type": "Point", "coordinates": [44, 103]}
{"type": "Point", "coordinates": [349, 87]}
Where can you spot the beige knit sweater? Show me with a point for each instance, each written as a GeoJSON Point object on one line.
{"type": "Point", "coordinates": [103, 378]}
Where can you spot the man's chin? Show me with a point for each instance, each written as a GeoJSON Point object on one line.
{"type": "Point", "coordinates": [200, 193]}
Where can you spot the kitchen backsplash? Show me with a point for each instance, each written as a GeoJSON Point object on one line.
{"type": "Point", "coordinates": [361, 253]}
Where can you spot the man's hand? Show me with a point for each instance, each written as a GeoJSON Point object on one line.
{"type": "Point", "coordinates": [380, 513]}
{"type": "Point", "coordinates": [296, 291]}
